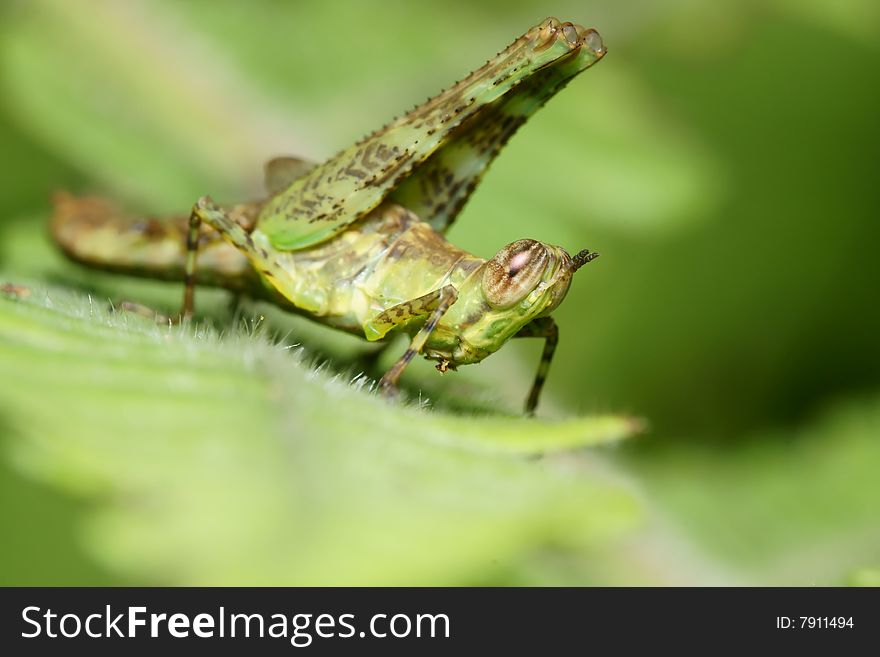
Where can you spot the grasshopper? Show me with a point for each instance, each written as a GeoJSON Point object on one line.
{"type": "Point", "coordinates": [357, 242]}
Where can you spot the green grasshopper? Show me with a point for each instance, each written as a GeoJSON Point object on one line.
{"type": "Point", "coordinates": [357, 242]}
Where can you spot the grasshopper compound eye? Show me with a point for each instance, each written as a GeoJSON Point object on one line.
{"type": "Point", "coordinates": [514, 272]}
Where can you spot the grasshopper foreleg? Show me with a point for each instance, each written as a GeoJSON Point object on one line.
{"type": "Point", "coordinates": [543, 327]}
{"type": "Point", "coordinates": [433, 305]}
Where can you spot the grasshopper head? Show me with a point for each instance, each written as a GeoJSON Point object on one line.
{"type": "Point", "coordinates": [531, 277]}
{"type": "Point", "coordinates": [523, 281]}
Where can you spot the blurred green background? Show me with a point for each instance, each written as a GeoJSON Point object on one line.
{"type": "Point", "coordinates": [723, 158]}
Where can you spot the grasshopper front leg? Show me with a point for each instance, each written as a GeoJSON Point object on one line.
{"type": "Point", "coordinates": [543, 327]}
{"type": "Point", "coordinates": [433, 305]}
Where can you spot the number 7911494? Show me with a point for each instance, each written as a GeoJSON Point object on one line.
{"type": "Point", "coordinates": [357, 242]}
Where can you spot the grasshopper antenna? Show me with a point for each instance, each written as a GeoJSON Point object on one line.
{"type": "Point", "coordinates": [582, 258]}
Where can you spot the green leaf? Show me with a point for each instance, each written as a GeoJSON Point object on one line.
{"type": "Point", "coordinates": [227, 459]}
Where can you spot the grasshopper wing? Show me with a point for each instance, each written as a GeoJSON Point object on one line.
{"type": "Point", "coordinates": [280, 172]}
{"type": "Point", "coordinates": [333, 195]}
